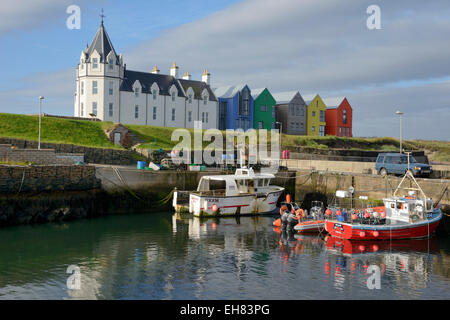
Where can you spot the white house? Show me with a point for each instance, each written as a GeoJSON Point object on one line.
{"type": "Point", "coordinates": [105, 89]}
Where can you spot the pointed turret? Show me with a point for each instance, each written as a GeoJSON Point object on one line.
{"type": "Point", "coordinates": [102, 44]}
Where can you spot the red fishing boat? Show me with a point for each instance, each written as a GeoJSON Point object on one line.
{"type": "Point", "coordinates": [401, 217]}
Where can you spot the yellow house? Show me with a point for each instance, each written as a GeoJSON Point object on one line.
{"type": "Point", "coordinates": [315, 115]}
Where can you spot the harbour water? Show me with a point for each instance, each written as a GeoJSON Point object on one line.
{"type": "Point", "coordinates": [165, 256]}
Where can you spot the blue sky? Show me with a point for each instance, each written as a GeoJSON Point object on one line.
{"type": "Point", "coordinates": [312, 46]}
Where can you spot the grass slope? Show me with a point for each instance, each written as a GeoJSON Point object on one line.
{"type": "Point", "coordinates": [56, 130]}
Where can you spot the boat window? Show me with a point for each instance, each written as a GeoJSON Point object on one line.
{"type": "Point", "coordinates": [399, 205]}
{"type": "Point", "coordinates": [217, 185]}
{"type": "Point", "coordinates": [392, 205]}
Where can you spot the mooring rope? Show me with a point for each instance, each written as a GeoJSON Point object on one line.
{"type": "Point", "coordinates": [23, 178]}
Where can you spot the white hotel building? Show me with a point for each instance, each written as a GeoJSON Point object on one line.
{"type": "Point", "coordinates": [105, 89]}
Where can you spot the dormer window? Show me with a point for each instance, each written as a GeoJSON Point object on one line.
{"type": "Point", "coordinates": [94, 63]}
{"type": "Point", "coordinates": [136, 92]}
{"type": "Point", "coordinates": [190, 98]}
{"type": "Point", "coordinates": [154, 94]}
{"type": "Point", "coordinates": [173, 95]}
{"type": "Point", "coordinates": [205, 100]}
{"type": "Point", "coordinates": [82, 87]}
{"type": "Point", "coordinates": [111, 64]}
{"type": "Point", "coordinates": [344, 116]}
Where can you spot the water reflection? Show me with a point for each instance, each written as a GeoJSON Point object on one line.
{"type": "Point", "coordinates": [165, 256]}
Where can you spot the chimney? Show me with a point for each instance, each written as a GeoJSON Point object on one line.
{"type": "Point", "coordinates": [206, 77]}
{"type": "Point", "coordinates": [155, 70]}
{"type": "Point", "coordinates": [174, 70]}
{"type": "Point", "coordinates": [186, 76]}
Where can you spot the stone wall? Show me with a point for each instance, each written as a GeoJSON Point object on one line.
{"type": "Point", "coordinates": [91, 155]}
{"type": "Point", "coordinates": [20, 179]}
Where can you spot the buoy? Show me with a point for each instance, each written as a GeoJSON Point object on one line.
{"type": "Point", "coordinates": [383, 214]}
{"type": "Point", "coordinates": [327, 267]}
{"type": "Point", "coordinates": [277, 223]}
{"type": "Point", "coordinates": [282, 209]}
{"type": "Point", "coordinates": [288, 198]}
{"type": "Point", "coordinates": [328, 212]}
{"type": "Point", "coordinates": [362, 234]}
{"type": "Point", "coordinates": [338, 213]}
{"type": "Point", "coordinates": [375, 248]}
{"type": "Point", "coordinates": [361, 248]}
{"type": "Point", "coordinates": [354, 216]}
{"type": "Point", "coordinates": [215, 208]}
{"type": "Point", "coordinates": [376, 234]}
{"type": "Point", "coordinates": [366, 215]}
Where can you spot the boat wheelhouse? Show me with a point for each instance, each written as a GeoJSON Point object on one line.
{"type": "Point", "coordinates": [245, 192]}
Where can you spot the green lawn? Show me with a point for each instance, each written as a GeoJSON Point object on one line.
{"type": "Point", "coordinates": [56, 130]}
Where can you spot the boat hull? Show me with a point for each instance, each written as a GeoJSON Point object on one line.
{"type": "Point", "coordinates": [350, 231]}
{"type": "Point", "coordinates": [233, 205]}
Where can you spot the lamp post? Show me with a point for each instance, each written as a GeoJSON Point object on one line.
{"type": "Point", "coordinates": [281, 131]}
{"type": "Point", "coordinates": [401, 138]}
{"type": "Point", "coordinates": [40, 115]}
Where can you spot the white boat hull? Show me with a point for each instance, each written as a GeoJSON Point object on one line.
{"type": "Point", "coordinates": [233, 205]}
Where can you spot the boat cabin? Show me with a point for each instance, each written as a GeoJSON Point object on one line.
{"type": "Point", "coordinates": [244, 181]}
{"type": "Point", "coordinates": [407, 209]}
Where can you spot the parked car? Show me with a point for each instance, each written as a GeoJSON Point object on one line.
{"type": "Point", "coordinates": [397, 163]}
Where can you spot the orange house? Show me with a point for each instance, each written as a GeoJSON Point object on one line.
{"type": "Point", "coordinates": [338, 117]}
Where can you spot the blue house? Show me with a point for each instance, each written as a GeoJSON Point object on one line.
{"type": "Point", "coordinates": [236, 107]}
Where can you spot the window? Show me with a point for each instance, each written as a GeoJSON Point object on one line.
{"type": "Point", "coordinates": [302, 111]}
{"type": "Point", "coordinates": [297, 125]}
{"type": "Point", "coordinates": [301, 125]}
{"type": "Point", "coordinates": [95, 63]}
{"type": "Point", "coordinates": [94, 87]}
{"type": "Point", "coordinates": [291, 125]}
{"type": "Point", "coordinates": [207, 117]}
{"type": "Point", "coordinates": [154, 113]}
{"type": "Point", "coordinates": [110, 110]}
{"type": "Point", "coordinates": [136, 111]}
{"type": "Point", "coordinates": [205, 100]}
{"type": "Point", "coordinates": [322, 131]}
{"type": "Point", "coordinates": [291, 109]}
{"type": "Point", "coordinates": [203, 117]}
{"type": "Point", "coordinates": [136, 92]}
{"type": "Point", "coordinates": [340, 132]}
{"type": "Point", "coordinates": [297, 109]}
{"type": "Point", "coordinates": [273, 113]}
{"type": "Point", "coordinates": [110, 64]}
{"type": "Point", "coordinates": [348, 132]}
{"type": "Point", "coordinates": [94, 108]}
{"type": "Point", "coordinates": [260, 125]}
{"type": "Point", "coordinates": [173, 114]}
{"type": "Point", "coordinates": [313, 113]}
{"type": "Point", "coordinates": [344, 116]}
{"type": "Point", "coordinates": [244, 102]}
{"type": "Point", "coordinates": [273, 125]}
{"type": "Point", "coordinates": [263, 108]}
{"type": "Point", "coordinates": [190, 98]}
{"type": "Point", "coordinates": [154, 94]}
{"type": "Point", "coordinates": [237, 124]}
{"type": "Point", "coordinates": [82, 87]}
{"type": "Point", "coordinates": [322, 115]}
{"type": "Point", "coordinates": [248, 124]}
{"type": "Point", "coordinates": [189, 116]}
{"type": "Point", "coordinates": [313, 128]}
{"type": "Point", "coordinates": [173, 95]}
{"type": "Point", "coordinates": [111, 86]}
{"type": "Point", "coordinates": [82, 109]}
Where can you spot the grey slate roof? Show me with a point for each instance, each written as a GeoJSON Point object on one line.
{"type": "Point", "coordinates": [102, 44]}
{"type": "Point", "coordinates": [198, 87]}
{"type": "Point", "coordinates": [147, 79]}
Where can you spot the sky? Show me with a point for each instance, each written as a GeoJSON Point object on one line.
{"type": "Point", "coordinates": [313, 46]}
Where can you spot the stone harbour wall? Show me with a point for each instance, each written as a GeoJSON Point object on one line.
{"type": "Point", "coordinates": [21, 179]}
{"type": "Point", "coordinates": [91, 155]}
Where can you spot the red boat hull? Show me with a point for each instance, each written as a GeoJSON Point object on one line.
{"type": "Point", "coordinates": [383, 232]}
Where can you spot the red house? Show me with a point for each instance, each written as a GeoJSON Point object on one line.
{"type": "Point", "coordinates": [338, 117]}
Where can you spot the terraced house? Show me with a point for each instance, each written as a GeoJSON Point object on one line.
{"type": "Point", "coordinates": [106, 90]}
{"type": "Point", "coordinates": [316, 115]}
{"type": "Point", "coordinates": [236, 107]}
{"type": "Point", "coordinates": [339, 117]}
{"type": "Point", "coordinates": [291, 112]}
{"type": "Point", "coordinates": [264, 115]}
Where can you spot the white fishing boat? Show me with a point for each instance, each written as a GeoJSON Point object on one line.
{"type": "Point", "coordinates": [244, 192]}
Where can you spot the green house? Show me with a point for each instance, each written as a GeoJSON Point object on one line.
{"type": "Point", "coordinates": [264, 115]}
